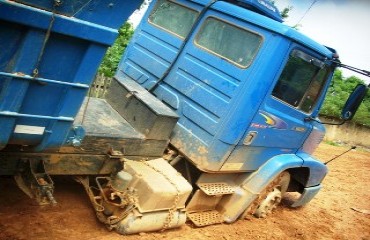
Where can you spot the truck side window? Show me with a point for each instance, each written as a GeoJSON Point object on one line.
{"type": "Point", "coordinates": [173, 17]}
{"type": "Point", "coordinates": [301, 81]}
{"type": "Point", "coordinates": [232, 43]}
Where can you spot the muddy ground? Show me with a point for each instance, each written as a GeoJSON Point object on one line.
{"type": "Point", "coordinates": [329, 216]}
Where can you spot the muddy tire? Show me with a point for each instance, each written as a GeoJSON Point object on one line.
{"type": "Point", "coordinates": [271, 196]}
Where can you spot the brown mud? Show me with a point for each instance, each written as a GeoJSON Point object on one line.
{"type": "Point", "coordinates": [329, 216]}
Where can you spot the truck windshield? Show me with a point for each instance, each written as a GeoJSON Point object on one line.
{"type": "Point", "coordinates": [301, 81]}
{"type": "Point", "coordinates": [173, 17]}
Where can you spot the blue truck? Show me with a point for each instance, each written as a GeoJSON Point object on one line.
{"type": "Point", "coordinates": [211, 116]}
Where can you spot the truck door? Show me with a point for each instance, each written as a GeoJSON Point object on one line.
{"type": "Point", "coordinates": [157, 40]}
{"type": "Point", "coordinates": [279, 126]}
{"type": "Point", "coordinates": [205, 85]}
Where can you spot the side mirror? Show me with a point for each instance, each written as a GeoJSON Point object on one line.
{"type": "Point", "coordinates": [353, 102]}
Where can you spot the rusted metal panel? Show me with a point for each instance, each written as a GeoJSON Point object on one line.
{"type": "Point", "coordinates": [142, 110]}
{"type": "Point", "coordinates": [105, 130]}
{"type": "Point", "coordinates": [62, 164]}
{"type": "Point", "coordinates": [129, 147]}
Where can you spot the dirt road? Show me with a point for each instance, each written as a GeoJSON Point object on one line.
{"type": "Point", "coordinates": [328, 216]}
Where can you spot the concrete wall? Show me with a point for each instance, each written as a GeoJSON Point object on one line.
{"type": "Point", "coordinates": [348, 132]}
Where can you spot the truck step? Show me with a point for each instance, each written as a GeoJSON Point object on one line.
{"type": "Point", "coordinates": [141, 109]}
{"type": "Point", "coordinates": [201, 219]}
{"type": "Point", "coordinates": [202, 211]}
{"type": "Point", "coordinates": [214, 189]}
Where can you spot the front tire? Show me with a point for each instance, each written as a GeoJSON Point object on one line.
{"type": "Point", "coordinates": [271, 196]}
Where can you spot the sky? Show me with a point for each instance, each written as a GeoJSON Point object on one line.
{"type": "Point", "coordinates": [341, 24]}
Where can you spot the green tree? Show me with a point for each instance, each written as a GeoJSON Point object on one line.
{"type": "Point", "coordinates": [111, 59]}
{"type": "Point", "coordinates": [285, 12]}
{"type": "Point", "coordinates": [337, 96]}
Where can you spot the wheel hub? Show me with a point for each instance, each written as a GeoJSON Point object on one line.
{"type": "Point", "coordinates": [271, 201]}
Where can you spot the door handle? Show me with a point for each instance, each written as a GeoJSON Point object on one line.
{"type": "Point", "coordinates": [250, 137]}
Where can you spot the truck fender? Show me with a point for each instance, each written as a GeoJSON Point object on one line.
{"type": "Point", "coordinates": [317, 170]}
{"type": "Point", "coordinates": [237, 203]}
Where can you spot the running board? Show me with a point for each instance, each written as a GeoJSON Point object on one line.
{"type": "Point", "coordinates": [201, 219]}
{"type": "Point", "coordinates": [215, 189]}
{"type": "Point", "coordinates": [202, 211]}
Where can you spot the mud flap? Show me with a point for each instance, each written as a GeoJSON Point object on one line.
{"type": "Point", "coordinates": [307, 195]}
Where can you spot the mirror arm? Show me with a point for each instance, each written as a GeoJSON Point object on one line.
{"type": "Point", "coordinates": [357, 70]}
{"type": "Point", "coordinates": [309, 119]}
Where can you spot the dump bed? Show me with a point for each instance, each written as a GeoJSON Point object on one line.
{"type": "Point", "coordinates": [49, 54]}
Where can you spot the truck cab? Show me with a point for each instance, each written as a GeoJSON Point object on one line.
{"type": "Point", "coordinates": [243, 85]}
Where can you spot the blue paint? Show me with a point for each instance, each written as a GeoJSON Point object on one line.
{"type": "Point", "coordinates": [270, 170]}
{"type": "Point", "coordinates": [273, 26]}
{"type": "Point", "coordinates": [220, 103]}
{"type": "Point", "coordinates": [43, 80]}
{"type": "Point", "coordinates": [51, 99]}
{"type": "Point", "coordinates": [306, 196]}
{"type": "Point", "coordinates": [219, 100]}
{"type": "Point", "coordinates": [317, 169]}
{"type": "Point", "coordinates": [263, 7]}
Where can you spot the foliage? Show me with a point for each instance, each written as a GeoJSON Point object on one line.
{"type": "Point", "coordinates": [337, 96]}
{"type": "Point", "coordinates": [332, 143]}
{"type": "Point", "coordinates": [285, 12]}
{"type": "Point", "coordinates": [111, 59]}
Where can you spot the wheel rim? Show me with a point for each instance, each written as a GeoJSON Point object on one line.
{"type": "Point", "coordinates": [271, 197]}
{"type": "Point", "coordinates": [271, 201]}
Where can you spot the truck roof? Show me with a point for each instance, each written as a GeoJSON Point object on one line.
{"type": "Point", "coordinates": [264, 7]}
{"type": "Point", "coordinates": [269, 24]}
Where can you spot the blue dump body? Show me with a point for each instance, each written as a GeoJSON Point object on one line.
{"type": "Point", "coordinates": [49, 55]}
